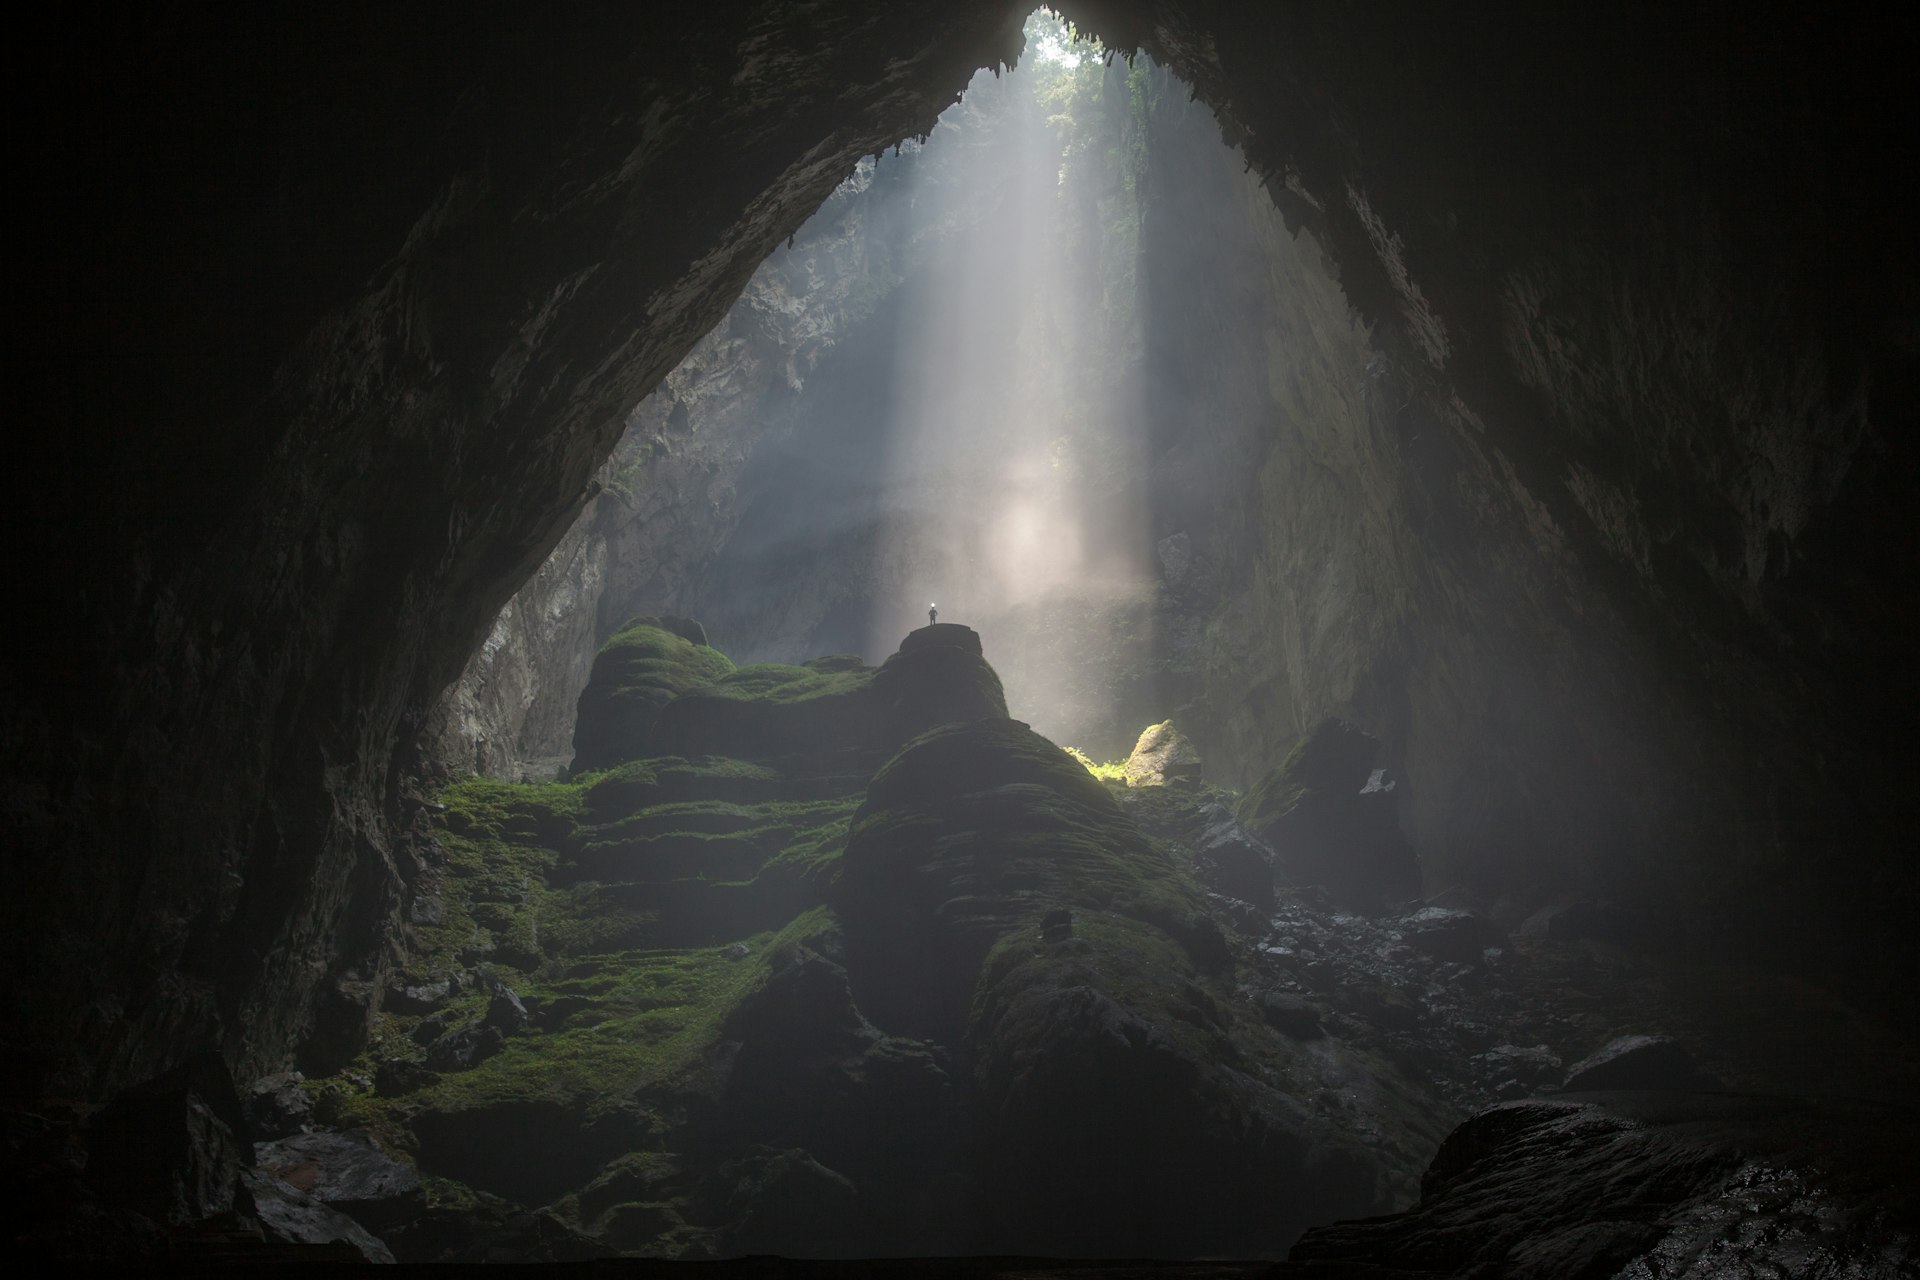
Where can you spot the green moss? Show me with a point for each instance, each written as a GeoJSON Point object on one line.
{"type": "Point", "coordinates": [780, 683]}
{"type": "Point", "coordinates": [1108, 771]}
{"type": "Point", "coordinates": [641, 669]}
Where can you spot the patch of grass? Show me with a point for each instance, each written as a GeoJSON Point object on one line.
{"type": "Point", "coordinates": [1106, 771]}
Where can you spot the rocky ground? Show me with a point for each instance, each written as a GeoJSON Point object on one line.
{"type": "Point", "coordinates": [838, 961]}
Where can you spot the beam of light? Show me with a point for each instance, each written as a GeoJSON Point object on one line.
{"type": "Point", "coordinates": [1015, 467]}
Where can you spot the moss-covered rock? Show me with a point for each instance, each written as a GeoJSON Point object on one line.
{"type": "Point", "coordinates": [811, 716]}
{"type": "Point", "coordinates": [1331, 821]}
{"type": "Point", "coordinates": [646, 664]}
{"type": "Point", "coordinates": [938, 677]}
{"type": "Point", "coordinates": [974, 830]}
{"type": "Point", "coordinates": [995, 897]}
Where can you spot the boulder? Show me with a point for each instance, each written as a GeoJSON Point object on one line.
{"type": "Point", "coordinates": [506, 1013]}
{"type": "Point", "coordinates": [172, 1149]}
{"type": "Point", "coordinates": [975, 830]}
{"type": "Point", "coordinates": [1161, 755]}
{"type": "Point", "coordinates": [1637, 1062]}
{"type": "Point", "coordinates": [1649, 1184]}
{"type": "Point", "coordinates": [645, 665]}
{"type": "Point", "coordinates": [1109, 1118]}
{"type": "Point", "coordinates": [1229, 860]}
{"type": "Point", "coordinates": [277, 1105]}
{"type": "Point", "coordinates": [418, 997]}
{"type": "Point", "coordinates": [288, 1215]}
{"type": "Point", "coordinates": [1328, 814]}
{"type": "Point", "coordinates": [348, 1171]}
{"type": "Point", "coordinates": [464, 1047]}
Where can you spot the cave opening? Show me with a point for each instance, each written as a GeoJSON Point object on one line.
{"type": "Point", "coordinates": [1008, 369]}
{"type": "Point", "coordinates": [478, 786]}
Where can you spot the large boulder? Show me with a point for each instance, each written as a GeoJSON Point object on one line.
{"type": "Point", "coordinates": [172, 1149]}
{"type": "Point", "coordinates": [996, 898]}
{"type": "Point", "coordinates": [348, 1171]}
{"type": "Point", "coordinates": [648, 662]}
{"type": "Point", "coordinates": [1328, 814]}
{"type": "Point", "coordinates": [938, 677]}
{"type": "Point", "coordinates": [1650, 1184]}
{"type": "Point", "coordinates": [288, 1215]}
{"type": "Point", "coordinates": [1161, 755]}
{"type": "Point", "coordinates": [976, 829]}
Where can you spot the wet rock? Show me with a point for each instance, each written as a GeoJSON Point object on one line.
{"type": "Point", "coordinates": [1651, 1184]}
{"type": "Point", "coordinates": [343, 1016]}
{"type": "Point", "coordinates": [1291, 1015]}
{"type": "Point", "coordinates": [421, 997]}
{"type": "Point", "coordinates": [1230, 860]}
{"type": "Point", "coordinates": [427, 909]}
{"type": "Point", "coordinates": [172, 1148]}
{"type": "Point", "coordinates": [506, 1013]}
{"type": "Point", "coordinates": [1161, 755]}
{"type": "Point", "coordinates": [277, 1105]}
{"type": "Point", "coordinates": [1637, 1062]}
{"type": "Point", "coordinates": [289, 1215]}
{"type": "Point", "coordinates": [464, 1047]}
{"type": "Point", "coordinates": [1459, 937]}
{"type": "Point", "coordinates": [348, 1171]}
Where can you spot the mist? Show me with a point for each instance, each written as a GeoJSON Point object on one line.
{"type": "Point", "coordinates": [979, 443]}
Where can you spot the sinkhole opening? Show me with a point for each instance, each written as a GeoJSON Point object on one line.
{"type": "Point", "coordinates": [1019, 370]}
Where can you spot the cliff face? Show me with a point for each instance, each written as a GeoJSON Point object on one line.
{"type": "Point", "coordinates": [338, 316]}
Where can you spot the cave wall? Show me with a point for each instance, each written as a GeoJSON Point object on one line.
{"type": "Point", "coordinates": [343, 311]}
{"type": "Point", "coordinates": [334, 316]}
{"type": "Point", "coordinates": [1637, 271]}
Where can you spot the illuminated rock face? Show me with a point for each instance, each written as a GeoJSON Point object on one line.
{"type": "Point", "coordinates": [317, 379]}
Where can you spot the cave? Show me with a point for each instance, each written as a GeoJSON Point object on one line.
{"type": "Point", "coordinates": [478, 787]}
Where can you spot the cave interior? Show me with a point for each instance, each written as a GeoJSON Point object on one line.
{"type": "Point", "coordinates": [1409, 775]}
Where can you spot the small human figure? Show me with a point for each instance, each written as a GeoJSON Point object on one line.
{"type": "Point", "coordinates": [933, 614]}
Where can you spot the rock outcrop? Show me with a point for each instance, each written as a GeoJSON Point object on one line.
{"type": "Point", "coordinates": [1330, 818]}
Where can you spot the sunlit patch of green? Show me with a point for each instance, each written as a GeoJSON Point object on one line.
{"type": "Point", "coordinates": [1106, 771]}
{"type": "Point", "coordinates": [1017, 821]}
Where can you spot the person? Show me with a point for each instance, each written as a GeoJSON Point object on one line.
{"type": "Point", "coordinates": [933, 614]}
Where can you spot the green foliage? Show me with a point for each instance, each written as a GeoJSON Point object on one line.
{"type": "Point", "coordinates": [1107, 771]}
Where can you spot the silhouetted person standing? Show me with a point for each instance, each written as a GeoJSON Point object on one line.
{"type": "Point", "coordinates": [933, 614]}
